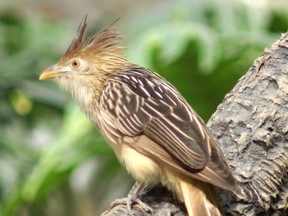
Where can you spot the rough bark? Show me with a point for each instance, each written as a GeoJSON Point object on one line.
{"type": "Point", "coordinates": [251, 127]}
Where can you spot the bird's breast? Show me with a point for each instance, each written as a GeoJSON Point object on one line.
{"type": "Point", "coordinates": [141, 167]}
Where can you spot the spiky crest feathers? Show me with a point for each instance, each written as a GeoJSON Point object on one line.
{"type": "Point", "coordinates": [106, 42]}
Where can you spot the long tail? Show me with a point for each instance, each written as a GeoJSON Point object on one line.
{"type": "Point", "coordinates": [199, 198]}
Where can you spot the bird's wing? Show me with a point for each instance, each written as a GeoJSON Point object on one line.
{"type": "Point", "coordinates": [140, 103]}
{"type": "Point", "coordinates": [143, 106]}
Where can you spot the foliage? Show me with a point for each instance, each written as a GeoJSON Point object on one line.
{"type": "Point", "coordinates": [50, 155]}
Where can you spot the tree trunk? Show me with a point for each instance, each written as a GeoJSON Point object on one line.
{"type": "Point", "coordinates": [251, 125]}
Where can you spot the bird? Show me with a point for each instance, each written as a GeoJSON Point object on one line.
{"type": "Point", "coordinates": [154, 132]}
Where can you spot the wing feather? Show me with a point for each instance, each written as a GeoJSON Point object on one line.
{"type": "Point", "coordinates": [141, 103]}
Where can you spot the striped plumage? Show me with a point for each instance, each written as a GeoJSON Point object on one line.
{"type": "Point", "coordinates": [137, 102]}
{"type": "Point", "coordinates": [154, 132]}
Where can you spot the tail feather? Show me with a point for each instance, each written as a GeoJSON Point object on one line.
{"type": "Point", "coordinates": [199, 198]}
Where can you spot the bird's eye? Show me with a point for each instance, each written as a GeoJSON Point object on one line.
{"type": "Point", "coordinates": [75, 63]}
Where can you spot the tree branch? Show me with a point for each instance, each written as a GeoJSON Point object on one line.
{"type": "Point", "coordinates": [251, 125]}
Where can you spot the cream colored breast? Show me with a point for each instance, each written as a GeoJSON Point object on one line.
{"type": "Point", "coordinates": [142, 168]}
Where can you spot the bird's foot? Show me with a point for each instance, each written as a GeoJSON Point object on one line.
{"type": "Point", "coordinates": [132, 199]}
{"type": "Point", "coordinates": [130, 202]}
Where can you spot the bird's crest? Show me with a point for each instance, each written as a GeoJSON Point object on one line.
{"type": "Point", "coordinates": [77, 44]}
{"type": "Point", "coordinates": [107, 40]}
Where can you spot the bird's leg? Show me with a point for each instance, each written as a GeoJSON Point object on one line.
{"type": "Point", "coordinates": [137, 190]}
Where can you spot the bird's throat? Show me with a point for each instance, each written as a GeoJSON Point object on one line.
{"type": "Point", "coordinates": [85, 92]}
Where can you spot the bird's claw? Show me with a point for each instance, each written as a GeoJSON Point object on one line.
{"type": "Point", "coordinates": [132, 198]}
{"type": "Point", "coordinates": [129, 202]}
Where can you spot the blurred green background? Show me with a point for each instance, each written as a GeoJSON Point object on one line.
{"type": "Point", "coordinates": [52, 160]}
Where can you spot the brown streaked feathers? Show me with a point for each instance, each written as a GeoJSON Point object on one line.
{"type": "Point", "coordinates": [162, 115]}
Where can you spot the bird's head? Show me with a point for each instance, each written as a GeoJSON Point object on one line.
{"type": "Point", "coordinates": [88, 63]}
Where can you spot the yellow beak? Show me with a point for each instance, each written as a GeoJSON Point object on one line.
{"type": "Point", "coordinates": [52, 72]}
